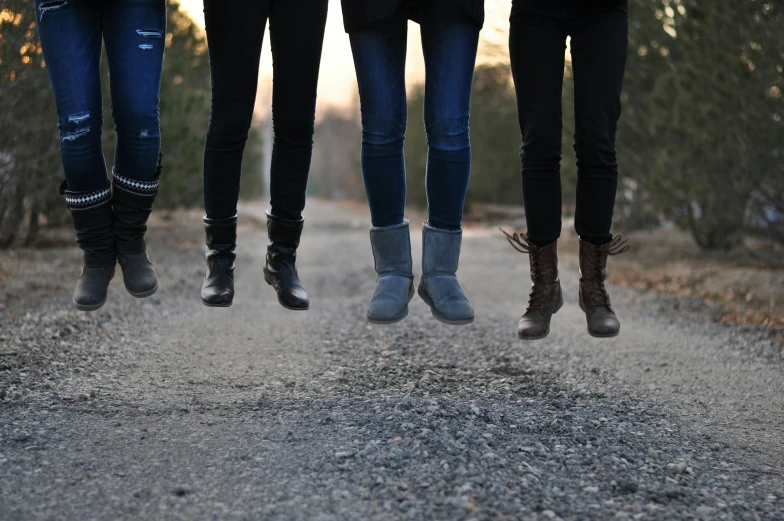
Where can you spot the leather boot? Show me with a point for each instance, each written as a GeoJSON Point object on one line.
{"type": "Point", "coordinates": [545, 298]}
{"type": "Point", "coordinates": [395, 283]}
{"type": "Point", "coordinates": [92, 219]}
{"type": "Point", "coordinates": [132, 201]}
{"type": "Point", "coordinates": [280, 271]}
{"type": "Point", "coordinates": [439, 287]}
{"type": "Point", "coordinates": [594, 299]}
{"type": "Point", "coordinates": [217, 290]}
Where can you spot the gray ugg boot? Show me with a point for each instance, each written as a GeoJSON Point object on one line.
{"type": "Point", "coordinates": [439, 287]}
{"type": "Point", "coordinates": [395, 284]}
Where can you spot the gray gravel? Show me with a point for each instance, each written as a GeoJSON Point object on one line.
{"type": "Point", "coordinates": [163, 409]}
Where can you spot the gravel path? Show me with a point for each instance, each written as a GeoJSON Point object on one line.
{"type": "Point", "coordinates": [164, 409]}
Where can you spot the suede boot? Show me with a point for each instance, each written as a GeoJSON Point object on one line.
{"type": "Point", "coordinates": [132, 202]}
{"type": "Point", "coordinates": [594, 300]}
{"type": "Point", "coordinates": [545, 298]}
{"type": "Point", "coordinates": [280, 271]}
{"type": "Point", "coordinates": [395, 283]}
{"type": "Point", "coordinates": [217, 290]}
{"type": "Point", "coordinates": [92, 219]}
{"type": "Point", "coordinates": [439, 287]}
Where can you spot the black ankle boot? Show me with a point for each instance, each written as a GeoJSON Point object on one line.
{"type": "Point", "coordinates": [218, 287]}
{"type": "Point", "coordinates": [132, 201]}
{"type": "Point", "coordinates": [92, 218]}
{"type": "Point", "coordinates": [280, 272]}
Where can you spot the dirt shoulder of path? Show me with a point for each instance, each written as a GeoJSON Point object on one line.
{"type": "Point", "coordinates": [29, 275]}
{"type": "Point", "coordinates": [744, 286]}
{"type": "Point", "coordinates": [741, 287]}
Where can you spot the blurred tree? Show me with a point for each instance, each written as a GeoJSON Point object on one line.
{"type": "Point", "coordinates": [701, 136]}
{"type": "Point", "coordinates": [30, 169]}
{"type": "Point", "coordinates": [335, 171]}
{"type": "Point", "coordinates": [700, 139]}
{"type": "Point", "coordinates": [29, 143]}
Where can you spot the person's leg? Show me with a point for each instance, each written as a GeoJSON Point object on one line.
{"type": "Point", "coordinates": [598, 46]}
{"type": "Point", "coordinates": [135, 36]}
{"type": "Point", "coordinates": [296, 37]}
{"type": "Point", "coordinates": [537, 42]}
{"type": "Point", "coordinates": [235, 30]}
{"type": "Point", "coordinates": [380, 62]}
{"type": "Point", "coordinates": [70, 35]}
{"type": "Point", "coordinates": [71, 41]}
{"type": "Point", "coordinates": [599, 41]}
{"type": "Point", "coordinates": [449, 44]}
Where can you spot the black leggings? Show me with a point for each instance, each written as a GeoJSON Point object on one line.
{"type": "Point", "coordinates": [537, 42]}
{"type": "Point", "coordinates": [235, 30]}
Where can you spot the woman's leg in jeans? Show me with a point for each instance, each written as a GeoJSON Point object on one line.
{"type": "Point", "coordinates": [380, 62]}
{"type": "Point", "coordinates": [71, 41]}
{"type": "Point", "coordinates": [598, 59]}
{"type": "Point", "coordinates": [135, 35]}
{"type": "Point", "coordinates": [235, 30]}
{"type": "Point", "coordinates": [537, 42]}
{"type": "Point", "coordinates": [449, 44]}
{"type": "Point", "coordinates": [296, 41]}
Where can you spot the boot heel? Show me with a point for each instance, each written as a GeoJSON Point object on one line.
{"type": "Point", "coordinates": [560, 303]}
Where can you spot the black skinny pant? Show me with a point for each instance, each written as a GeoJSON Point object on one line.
{"type": "Point", "coordinates": [537, 43]}
{"type": "Point", "coordinates": [235, 30]}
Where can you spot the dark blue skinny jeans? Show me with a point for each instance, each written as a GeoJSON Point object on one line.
{"type": "Point", "coordinates": [134, 32]}
{"type": "Point", "coordinates": [449, 44]}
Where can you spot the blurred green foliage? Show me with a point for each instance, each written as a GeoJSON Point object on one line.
{"type": "Point", "coordinates": [30, 168]}
{"type": "Point", "coordinates": [701, 138]}
{"type": "Point", "coordinates": [700, 141]}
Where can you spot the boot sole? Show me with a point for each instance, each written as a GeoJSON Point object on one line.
{"type": "Point", "coordinates": [216, 305]}
{"type": "Point", "coordinates": [269, 281]}
{"type": "Point", "coordinates": [386, 322]}
{"type": "Point", "coordinates": [144, 294]}
{"type": "Point", "coordinates": [91, 307]}
{"type": "Point", "coordinates": [558, 306]}
{"type": "Point", "coordinates": [424, 296]}
{"type": "Point", "coordinates": [611, 335]}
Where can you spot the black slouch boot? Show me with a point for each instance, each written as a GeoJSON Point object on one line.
{"type": "Point", "coordinates": [218, 287]}
{"type": "Point", "coordinates": [92, 219]}
{"type": "Point", "coordinates": [132, 201]}
{"type": "Point", "coordinates": [280, 271]}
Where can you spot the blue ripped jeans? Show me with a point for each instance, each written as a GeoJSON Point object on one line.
{"type": "Point", "coordinates": [449, 44]}
{"type": "Point", "coordinates": [134, 31]}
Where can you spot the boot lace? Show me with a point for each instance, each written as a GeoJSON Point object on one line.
{"type": "Point", "coordinates": [537, 299]}
{"type": "Point", "coordinates": [597, 292]}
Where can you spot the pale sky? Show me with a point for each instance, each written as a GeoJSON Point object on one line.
{"type": "Point", "coordinates": [337, 83]}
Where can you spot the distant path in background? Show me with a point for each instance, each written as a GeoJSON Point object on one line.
{"type": "Point", "coordinates": [164, 409]}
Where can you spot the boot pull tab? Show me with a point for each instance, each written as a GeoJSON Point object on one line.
{"type": "Point", "coordinates": [63, 187]}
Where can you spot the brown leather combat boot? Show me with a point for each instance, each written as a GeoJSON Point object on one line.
{"type": "Point", "coordinates": [545, 298]}
{"type": "Point", "coordinates": [594, 300]}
